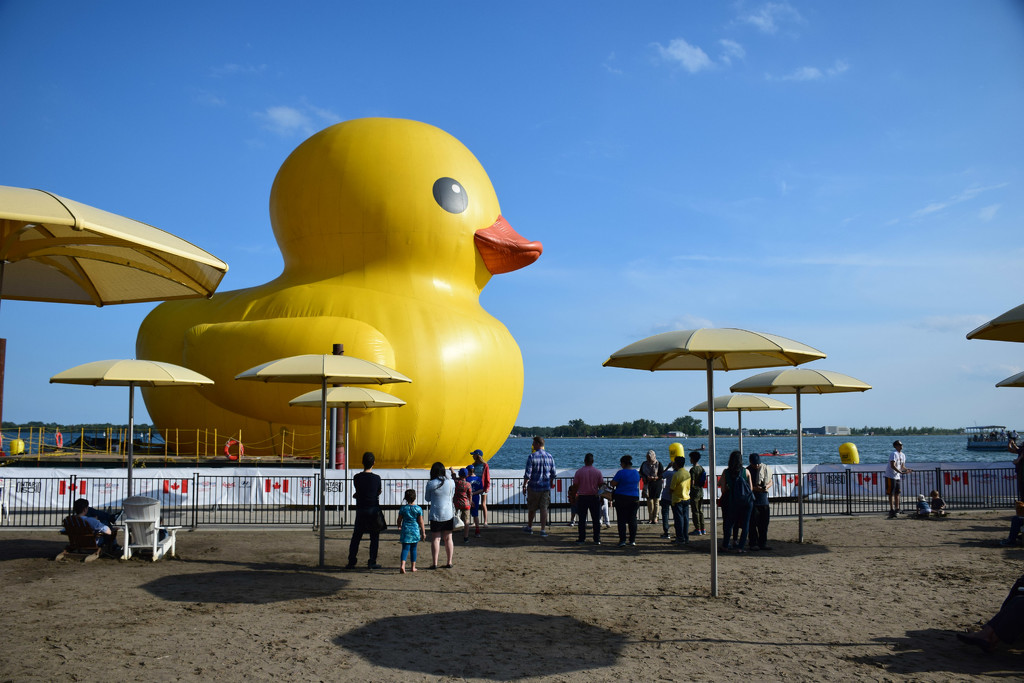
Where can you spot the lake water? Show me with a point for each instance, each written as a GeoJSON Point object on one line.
{"type": "Point", "coordinates": [568, 453]}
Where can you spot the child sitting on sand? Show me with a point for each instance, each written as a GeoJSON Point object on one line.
{"type": "Point", "coordinates": [410, 521]}
{"type": "Point", "coordinates": [938, 505]}
{"type": "Point", "coordinates": [924, 510]}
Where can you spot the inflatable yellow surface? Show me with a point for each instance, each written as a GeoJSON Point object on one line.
{"type": "Point", "coordinates": [389, 230]}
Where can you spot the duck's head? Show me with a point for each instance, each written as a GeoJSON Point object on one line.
{"type": "Point", "coordinates": [397, 202]}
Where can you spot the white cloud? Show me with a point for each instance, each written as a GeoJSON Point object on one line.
{"type": "Point", "coordinates": [731, 50]}
{"type": "Point", "coordinates": [228, 70]}
{"type": "Point", "coordinates": [813, 73]}
{"type": "Point", "coordinates": [989, 212]}
{"type": "Point", "coordinates": [305, 119]}
{"type": "Point", "coordinates": [967, 195]}
{"type": "Point", "coordinates": [769, 16]}
{"type": "Point", "coordinates": [609, 65]}
{"type": "Point", "coordinates": [690, 57]}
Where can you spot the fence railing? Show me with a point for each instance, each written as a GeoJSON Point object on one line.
{"type": "Point", "coordinates": [205, 500]}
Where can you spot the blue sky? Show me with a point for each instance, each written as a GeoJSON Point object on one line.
{"type": "Point", "coordinates": [844, 174]}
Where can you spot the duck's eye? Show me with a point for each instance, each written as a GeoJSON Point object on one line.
{"type": "Point", "coordinates": [450, 195]}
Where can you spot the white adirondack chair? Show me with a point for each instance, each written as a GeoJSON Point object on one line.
{"type": "Point", "coordinates": [141, 518]}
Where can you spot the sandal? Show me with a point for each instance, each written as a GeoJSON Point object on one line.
{"type": "Point", "coordinates": [447, 566]}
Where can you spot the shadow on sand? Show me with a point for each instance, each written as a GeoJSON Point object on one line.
{"type": "Point", "coordinates": [244, 587]}
{"type": "Point", "coordinates": [937, 651]}
{"type": "Point", "coordinates": [441, 644]}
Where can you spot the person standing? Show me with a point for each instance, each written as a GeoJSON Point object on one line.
{"type": "Point", "coordinates": [463, 500]}
{"type": "Point", "coordinates": [652, 472]}
{"type": "Point", "coordinates": [760, 483]}
{"type": "Point", "coordinates": [1018, 463]}
{"type": "Point", "coordinates": [538, 480]}
{"type": "Point", "coordinates": [368, 488]}
{"type": "Point", "coordinates": [483, 470]}
{"type": "Point", "coordinates": [698, 480]}
{"type": "Point", "coordinates": [666, 498]}
{"type": "Point", "coordinates": [681, 483]}
{"type": "Point", "coordinates": [438, 493]}
{"type": "Point", "coordinates": [588, 480]}
{"type": "Point", "coordinates": [411, 530]}
{"type": "Point", "coordinates": [893, 472]}
{"type": "Point", "coordinates": [626, 499]}
{"type": "Point", "coordinates": [738, 502]}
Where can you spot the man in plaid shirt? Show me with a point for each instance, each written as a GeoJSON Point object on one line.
{"type": "Point", "coordinates": [538, 480]}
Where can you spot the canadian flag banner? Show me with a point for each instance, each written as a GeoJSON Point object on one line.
{"type": "Point", "coordinates": [867, 479]}
{"type": "Point", "coordinates": [72, 487]}
{"type": "Point", "coordinates": [961, 478]}
{"type": "Point", "coordinates": [275, 485]}
{"type": "Point", "coordinates": [175, 485]}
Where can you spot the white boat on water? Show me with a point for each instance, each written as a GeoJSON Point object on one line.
{"type": "Point", "coordinates": [988, 438]}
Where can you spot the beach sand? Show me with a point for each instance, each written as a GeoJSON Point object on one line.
{"type": "Point", "coordinates": [864, 598]}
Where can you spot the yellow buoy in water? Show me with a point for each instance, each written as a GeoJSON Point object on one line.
{"type": "Point", "coordinates": [675, 449]}
{"type": "Point", "coordinates": [848, 454]}
{"type": "Point", "coordinates": [17, 446]}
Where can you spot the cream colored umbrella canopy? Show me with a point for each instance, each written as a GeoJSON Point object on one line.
{"type": "Point", "coordinates": [711, 349]}
{"type": "Point", "coordinates": [324, 370]}
{"type": "Point", "coordinates": [1007, 327]}
{"type": "Point", "coordinates": [56, 249]}
{"type": "Point", "coordinates": [798, 381]}
{"type": "Point", "coordinates": [131, 374]}
{"type": "Point", "coordinates": [739, 403]}
{"type": "Point", "coordinates": [1014, 381]}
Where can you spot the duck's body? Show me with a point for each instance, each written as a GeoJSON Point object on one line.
{"type": "Point", "coordinates": [389, 230]}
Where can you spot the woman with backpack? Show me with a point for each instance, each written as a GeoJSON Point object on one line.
{"type": "Point", "coordinates": [738, 496]}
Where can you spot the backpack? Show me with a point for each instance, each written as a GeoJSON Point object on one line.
{"type": "Point", "coordinates": [702, 479]}
{"type": "Point", "coordinates": [741, 492]}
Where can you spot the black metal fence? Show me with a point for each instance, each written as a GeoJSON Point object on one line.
{"type": "Point", "coordinates": [203, 500]}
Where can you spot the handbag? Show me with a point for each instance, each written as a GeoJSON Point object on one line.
{"type": "Point", "coordinates": [382, 522]}
{"type": "Point", "coordinates": [459, 524]}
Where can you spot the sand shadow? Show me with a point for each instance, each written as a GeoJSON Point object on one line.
{"type": "Point", "coordinates": [938, 651]}
{"type": "Point", "coordinates": [444, 644]}
{"type": "Point", "coordinates": [29, 548]}
{"type": "Point", "coordinates": [244, 587]}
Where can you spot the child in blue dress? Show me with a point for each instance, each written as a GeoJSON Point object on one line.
{"type": "Point", "coordinates": [410, 520]}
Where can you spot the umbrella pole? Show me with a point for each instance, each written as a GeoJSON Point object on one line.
{"type": "Point", "coordinates": [131, 433]}
{"type": "Point", "coordinates": [739, 427]}
{"type": "Point", "coordinates": [799, 469]}
{"type": "Point", "coordinates": [323, 466]}
{"type": "Point", "coordinates": [345, 509]}
{"type": "Point", "coordinates": [713, 489]}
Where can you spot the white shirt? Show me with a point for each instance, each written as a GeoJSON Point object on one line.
{"type": "Point", "coordinates": [897, 463]}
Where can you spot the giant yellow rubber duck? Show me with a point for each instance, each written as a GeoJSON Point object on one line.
{"type": "Point", "coordinates": [389, 229]}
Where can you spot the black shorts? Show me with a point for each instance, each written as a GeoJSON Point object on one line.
{"type": "Point", "coordinates": [447, 525]}
{"type": "Point", "coordinates": [892, 487]}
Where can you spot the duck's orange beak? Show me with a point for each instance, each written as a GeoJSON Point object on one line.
{"type": "Point", "coordinates": [503, 249]}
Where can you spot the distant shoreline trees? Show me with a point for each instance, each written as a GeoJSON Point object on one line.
{"type": "Point", "coordinates": [690, 426]}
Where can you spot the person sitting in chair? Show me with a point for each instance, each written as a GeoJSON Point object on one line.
{"type": "Point", "coordinates": [107, 537]}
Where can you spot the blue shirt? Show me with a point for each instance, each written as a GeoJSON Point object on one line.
{"type": "Point", "coordinates": [540, 470]}
{"type": "Point", "coordinates": [627, 482]}
{"type": "Point", "coordinates": [438, 492]}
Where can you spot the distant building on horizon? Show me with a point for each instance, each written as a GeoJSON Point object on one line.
{"type": "Point", "coordinates": [828, 430]}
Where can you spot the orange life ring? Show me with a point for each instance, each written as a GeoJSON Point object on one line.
{"type": "Point", "coordinates": [58, 438]}
{"type": "Point", "coordinates": [227, 449]}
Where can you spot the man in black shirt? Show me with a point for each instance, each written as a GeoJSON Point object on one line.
{"type": "Point", "coordinates": [367, 494]}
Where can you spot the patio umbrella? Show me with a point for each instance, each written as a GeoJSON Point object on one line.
{"type": "Point", "coordinates": [798, 381]}
{"type": "Point", "coordinates": [739, 403]}
{"type": "Point", "coordinates": [1014, 381]}
{"type": "Point", "coordinates": [131, 374]}
{"type": "Point", "coordinates": [55, 249]}
{"type": "Point", "coordinates": [1007, 327]}
{"type": "Point", "coordinates": [709, 350]}
{"type": "Point", "coordinates": [323, 370]}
